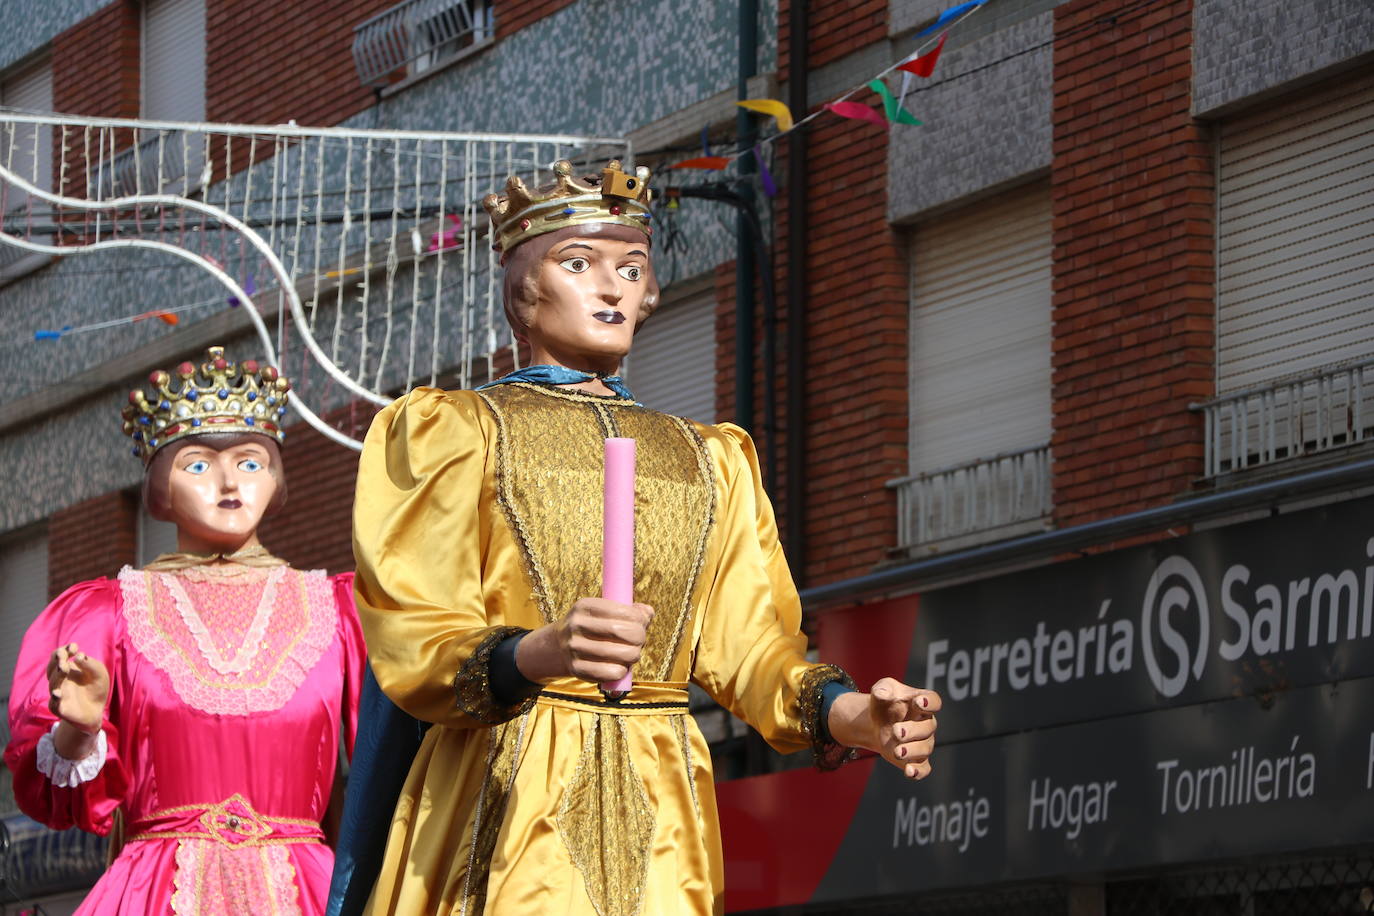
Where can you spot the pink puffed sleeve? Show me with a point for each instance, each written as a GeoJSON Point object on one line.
{"type": "Point", "coordinates": [87, 614]}
{"type": "Point", "coordinates": [354, 655]}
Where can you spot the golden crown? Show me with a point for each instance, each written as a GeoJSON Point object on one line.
{"type": "Point", "coordinates": [616, 197]}
{"type": "Point", "coordinates": [223, 398]}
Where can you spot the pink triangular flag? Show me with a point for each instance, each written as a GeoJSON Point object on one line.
{"type": "Point", "coordinates": [858, 111]}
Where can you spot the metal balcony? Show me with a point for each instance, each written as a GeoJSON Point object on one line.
{"type": "Point", "coordinates": [974, 502]}
{"type": "Point", "coordinates": [418, 33]}
{"type": "Point", "coordinates": [1318, 412]}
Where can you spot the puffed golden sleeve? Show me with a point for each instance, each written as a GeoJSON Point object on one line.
{"type": "Point", "coordinates": [750, 652]}
{"type": "Point", "coordinates": [417, 545]}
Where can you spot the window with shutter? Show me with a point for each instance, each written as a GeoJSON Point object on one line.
{"type": "Point", "coordinates": [26, 149]}
{"type": "Point", "coordinates": [673, 366]}
{"type": "Point", "coordinates": [23, 593]}
{"type": "Point", "coordinates": [979, 373]}
{"type": "Point", "coordinates": [1295, 236]}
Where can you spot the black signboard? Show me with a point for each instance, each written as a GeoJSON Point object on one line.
{"type": "Point", "coordinates": [1292, 770]}
{"type": "Point", "coordinates": [1202, 697]}
{"type": "Point", "coordinates": [1248, 610]}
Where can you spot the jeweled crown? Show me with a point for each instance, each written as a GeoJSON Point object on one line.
{"type": "Point", "coordinates": [221, 397]}
{"type": "Point", "coordinates": [615, 197]}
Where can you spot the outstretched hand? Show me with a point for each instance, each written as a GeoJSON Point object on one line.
{"type": "Point", "coordinates": [78, 686]}
{"type": "Point", "coordinates": [895, 720]}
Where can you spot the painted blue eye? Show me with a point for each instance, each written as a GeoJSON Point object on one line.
{"type": "Point", "coordinates": [199, 466]}
{"type": "Point", "coordinates": [250, 465]}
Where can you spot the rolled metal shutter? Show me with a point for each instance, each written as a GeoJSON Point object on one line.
{"type": "Point", "coordinates": [980, 331]}
{"type": "Point", "coordinates": [673, 366]}
{"type": "Point", "coordinates": [23, 594]}
{"type": "Point", "coordinates": [28, 91]}
{"type": "Point", "coordinates": [174, 60]}
{"type": "Point", "coordinates": [1295, 235]}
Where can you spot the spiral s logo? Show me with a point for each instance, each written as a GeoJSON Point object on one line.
{"type": "Point", "coordinates": [1175, 586]}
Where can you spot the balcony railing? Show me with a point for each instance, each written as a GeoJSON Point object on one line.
{"type": "Point", "coordinates": [419, 33]}
{"type": "Point", "coordinates": [975, 501]}
{"type": "Point", "coordinates": [1315, 413]}
{"type": "Point", "coordinates": [167, 161]}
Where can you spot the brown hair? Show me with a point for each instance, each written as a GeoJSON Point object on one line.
{"type": "Point", "coordinates": [155, 477]}
{"type": "Point", "coordinates": [520, 287]}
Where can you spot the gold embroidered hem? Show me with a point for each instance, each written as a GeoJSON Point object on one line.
{"type": "Point", "coordinates": [606, 820]}
{"type": "Point", "coordinates": [827, 754]}
{"type": "Point", "coordinates": [472, 683]}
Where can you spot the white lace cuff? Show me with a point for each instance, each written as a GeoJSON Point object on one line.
{"type": "Point", "coordinates": [68, 774]}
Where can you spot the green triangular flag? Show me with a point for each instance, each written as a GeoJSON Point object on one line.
{"type": "Point", "coordinates": [895, 112]}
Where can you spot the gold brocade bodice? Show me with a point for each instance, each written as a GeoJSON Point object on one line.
{"type": "Point", "coordinates": [549, 478]}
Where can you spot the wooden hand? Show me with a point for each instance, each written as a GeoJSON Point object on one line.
{"type": "Point", "coordinates": [895, 720]}
{"type": "Point", "coordinates": [597, 641]}
{"type": "Point", "coordinates": [78, 687]}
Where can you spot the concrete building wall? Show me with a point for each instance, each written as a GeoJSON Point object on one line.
{"type": "Point", "coordinates": [1243, 52]}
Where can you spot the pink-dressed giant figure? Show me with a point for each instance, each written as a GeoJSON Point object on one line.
{"type": "Point", "coordinates": [194, 707]}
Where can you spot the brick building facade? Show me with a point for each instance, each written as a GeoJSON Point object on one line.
{"type": "Point", "coordinates": [1107, 307]}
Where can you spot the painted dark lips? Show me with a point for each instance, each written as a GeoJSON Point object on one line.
{"type": "Point", "coordinates": [230, 504]}
{"type": "Point", "coordinates": [609, 316]}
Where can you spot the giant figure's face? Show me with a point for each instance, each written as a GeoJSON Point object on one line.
{"type": "Point", "coordinates": [218, 497]}
{"type": "Point", "coordinates": [590, 294]}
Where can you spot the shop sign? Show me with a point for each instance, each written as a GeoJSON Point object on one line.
{"type": "Point", "coordinates": [1248, 610]}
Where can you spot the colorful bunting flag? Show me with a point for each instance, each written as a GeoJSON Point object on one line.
{"type": "Point", "coordinates": [777, 110]}
{"type": "Point", "coordinates": [952, 13]}
{"type": "Point", "coordinates": [443, 241]}
{"type": "Point", "coordinates": [51, 335]}
{"type": "Point", "coordinates": [924, 65]}
{"type": "Point", "coordinates": [164, 317]}
{"type": "Point", "coordinates": [857, 111]}
{"type": "Point", "coordinates": [770, 187]}
{"type": "Point", "coordinates": [249, 287]}
{"type": "Point", "coordinates": [709, 163]}
{"type": "Point", "coordinates": [895, 113]}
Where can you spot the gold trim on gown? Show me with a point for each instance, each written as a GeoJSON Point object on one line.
{"type": "Point", "coordinates": [478, 515]}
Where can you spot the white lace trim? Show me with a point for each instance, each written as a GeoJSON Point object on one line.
{"type": "Point", "coordinates": [68, 774]}
{"type": "Point", "coordinates": [247, 652]}
{"type": "Point", "coordinates": [294, 654]}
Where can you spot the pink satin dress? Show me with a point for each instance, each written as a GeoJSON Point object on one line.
{"type": "Point", "coordinates": [228, 698]}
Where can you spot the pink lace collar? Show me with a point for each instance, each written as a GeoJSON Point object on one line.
{"type": "Point", "coordinates": [231, 646]}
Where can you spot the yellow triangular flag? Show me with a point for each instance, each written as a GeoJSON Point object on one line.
{"type": "Point", "coordinates": [770, 107]}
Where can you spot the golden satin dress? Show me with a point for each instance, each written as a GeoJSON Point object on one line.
{"type": "Point", "coordinates": [478, 514]}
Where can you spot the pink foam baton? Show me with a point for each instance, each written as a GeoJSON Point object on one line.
{"type": "Point", "coordinates": [618, 536]}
